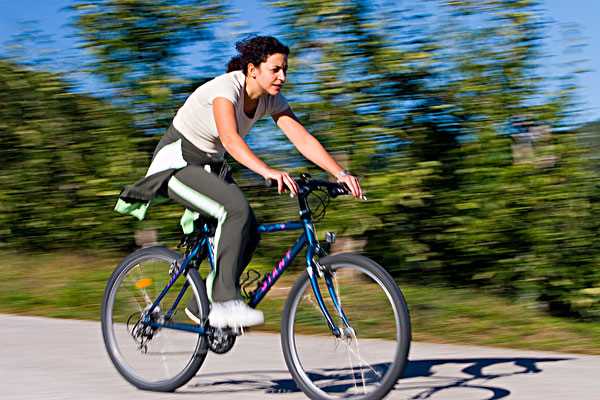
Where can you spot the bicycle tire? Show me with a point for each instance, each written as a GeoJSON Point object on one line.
{"type": "Point", "coordinates": [111, 324]}
{"type": "Point", "coordinates": [308, 379]}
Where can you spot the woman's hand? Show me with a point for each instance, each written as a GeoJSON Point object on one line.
{"type": "Point", "coordinates": [352, 182]}
{"type": "Point", "coordinates": [282, 178]}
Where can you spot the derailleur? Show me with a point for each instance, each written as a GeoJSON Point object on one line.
{"type": "Point", "coordinates": [140, 332]}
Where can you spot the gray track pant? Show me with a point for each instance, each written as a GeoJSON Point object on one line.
{"type": "Point", "coordinates": [236, 237]}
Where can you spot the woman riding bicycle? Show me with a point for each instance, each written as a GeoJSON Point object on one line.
{"type": "Point", "coordinates": [188, 165]}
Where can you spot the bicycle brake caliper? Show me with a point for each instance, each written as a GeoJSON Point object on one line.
{"type": "Point", "coordinates": [173, 268]}
{"type": "Point", "coordinates": [319, 268]}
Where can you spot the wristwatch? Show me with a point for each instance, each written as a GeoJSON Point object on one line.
{"type": "Point", "coordinates": [343, 173]}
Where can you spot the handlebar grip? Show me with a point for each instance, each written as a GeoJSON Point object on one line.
{"type": "Point", "coordinates": [338, 190]}
{"type": "Point", "coordinates": [342, 189]}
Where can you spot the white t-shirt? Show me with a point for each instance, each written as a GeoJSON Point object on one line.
{"type": "Point", "coordinates": [195, 119]}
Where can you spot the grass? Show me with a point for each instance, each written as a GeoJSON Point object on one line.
{"type": "Point", "coordinates": [71, 286]}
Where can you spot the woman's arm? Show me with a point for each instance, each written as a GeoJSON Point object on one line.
{"type": "Point", "coordinates": [306, 143]}
{"type": "Point", "coordinates": [312, 149]}
{"type": "Point", "coordinates": [224, 114]}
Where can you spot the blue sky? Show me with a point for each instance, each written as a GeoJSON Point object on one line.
{"type": "Point", "coordinates": [563, 14]}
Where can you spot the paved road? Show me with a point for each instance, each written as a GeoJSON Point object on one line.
{"type": "Point", "coordinates": [45, 359]}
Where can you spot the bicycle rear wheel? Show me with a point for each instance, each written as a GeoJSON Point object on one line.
{"type": "Point", "coordinates": [152, 359]}
{"type": "Point", "coordinates": [369, 358]}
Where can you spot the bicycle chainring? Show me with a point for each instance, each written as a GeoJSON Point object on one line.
{"type": "Point", "coordinates": [220, 341]}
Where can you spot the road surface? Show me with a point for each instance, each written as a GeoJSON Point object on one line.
{"type": "Point", "coordinates": [43, 359]}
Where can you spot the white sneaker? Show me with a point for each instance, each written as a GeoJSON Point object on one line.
{"type": "Point", "coordinates": [234, 314]}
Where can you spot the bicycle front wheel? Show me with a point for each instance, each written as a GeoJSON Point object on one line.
{"type": "Point", "coordinates": [153, 359]}
{"type": "Point", "coordinates": [366, 362]}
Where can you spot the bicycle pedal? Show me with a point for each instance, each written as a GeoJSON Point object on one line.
{"type": "Point", "coordinates": [239, 331]}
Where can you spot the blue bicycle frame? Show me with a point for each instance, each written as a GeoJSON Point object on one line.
{"type": "Point", "coordinates": [307, 238]}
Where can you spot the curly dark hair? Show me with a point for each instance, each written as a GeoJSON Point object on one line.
{"type": "Point", "coordinates": [255, 50]}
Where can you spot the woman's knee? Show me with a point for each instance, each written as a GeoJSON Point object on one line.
{"type": "Point", "coordinates": [238, 207]}
{"type": "Point", "coordinates": [243, 214]}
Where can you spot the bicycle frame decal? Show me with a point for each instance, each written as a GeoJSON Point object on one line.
{"type": "Point", "coordinates": [269, 280]}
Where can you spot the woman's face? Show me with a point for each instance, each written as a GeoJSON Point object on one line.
{"type": "Point", "coordinates": [270, 74]}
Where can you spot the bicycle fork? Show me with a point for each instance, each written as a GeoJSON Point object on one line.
{"type": "Point", "coordinates": [314, 272]}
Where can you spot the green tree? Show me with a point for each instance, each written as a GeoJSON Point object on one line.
{"type": "Point", "coordinates": [423, 109]}
{"type": "Point", "coordinates": [350, 80]}
{"type": "Point", "coordinates": [137, 44]}
{"type": "Point", "coordinates": [66, 157]}
{"type": "Point", "coordinates": [521, 224]}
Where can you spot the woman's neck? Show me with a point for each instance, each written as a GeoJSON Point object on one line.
{"type": "Point", "coordinates": [252, 90]}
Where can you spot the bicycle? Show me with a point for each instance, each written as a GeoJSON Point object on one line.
{"type": "Point", "coordinates": [147, 335]}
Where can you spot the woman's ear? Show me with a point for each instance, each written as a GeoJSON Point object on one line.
{"type": "Point", "coordinates": [251, 70]}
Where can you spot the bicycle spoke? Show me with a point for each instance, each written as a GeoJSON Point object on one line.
{"type": "Point", "coordinates": [165, 365]}
{"type": "Point", "coordinates": [135, 290]}
{"type": "Point", "coordinates": [134, 298]}
{"type": "Point", "coordinates": [352, 370]}
{"type": "Point", "coordinates": [360, 359]}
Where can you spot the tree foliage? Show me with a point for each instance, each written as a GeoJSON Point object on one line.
{"type": "Point", "coordinates": [472, 174]}
{"type": "Point", "coordinates": [65, 157]}
{"type": "Point", "coordinates": [423, 104]}
{"type": "Point", "coordinates": [137, 45]}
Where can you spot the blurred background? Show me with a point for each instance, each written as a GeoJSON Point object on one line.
{"type": "Point", "coordinates": [474, 126]}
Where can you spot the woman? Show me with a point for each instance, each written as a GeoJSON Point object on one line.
{"type": "Point", "coordinates": [188, 165]}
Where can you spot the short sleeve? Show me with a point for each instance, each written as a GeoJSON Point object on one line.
{"type": "Point", "coordinates": [227, 87]}
{"type": "Point", "coordinates": [277, 104]}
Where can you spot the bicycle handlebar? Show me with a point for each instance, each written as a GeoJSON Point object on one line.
{"type": "Point", "coordinates": [307, 185]}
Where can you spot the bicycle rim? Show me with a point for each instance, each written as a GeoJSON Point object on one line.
{"type": "Point", "coordinates": [164, 359]}
{"type": "Point", "coordinates": [362, 364]}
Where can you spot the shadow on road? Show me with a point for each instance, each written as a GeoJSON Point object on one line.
{"type": "Point", "coordinates": [423, 379]}
{"type": "Point", "coordinates": [446, 375]}
{"type": "Point", "coordinates": [267, 381]}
